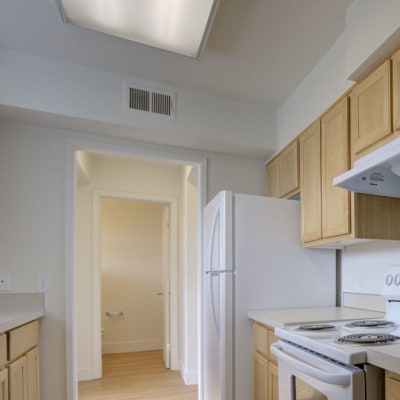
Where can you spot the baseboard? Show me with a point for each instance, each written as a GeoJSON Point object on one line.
{"type": "Point", "coordinates": [189, 377]}
{"type": "Point", "coordinates": [131, 346]}
{"type": "Point", "coordinates": [86, 374]}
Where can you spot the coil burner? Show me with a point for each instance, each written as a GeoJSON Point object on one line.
{"type": "Point", "coordinates": [371, 323]}
{"type": "Point", "coordinates": [315, 327]}
{"type": "Point", "coordinates": [368, 338]}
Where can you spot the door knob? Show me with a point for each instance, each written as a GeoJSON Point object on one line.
{"type": "Point", "coordinates": [160, 294]}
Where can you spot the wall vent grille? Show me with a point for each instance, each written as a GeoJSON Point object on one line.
{"type": "Point", "coordinates": [155, 102]}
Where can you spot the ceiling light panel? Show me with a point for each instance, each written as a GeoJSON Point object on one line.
{"type": "Point", "coordinates": [180, 26]}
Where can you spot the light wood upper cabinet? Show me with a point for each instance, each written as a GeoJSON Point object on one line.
{"type": "Point", "coordinates": [396, 90]}
{"type": "Point", "coordinates": [371, 111]}
{"type": "Point", "coordinates": [289, 170]}
{"type": "Point", "coordinates": [310, 183]}
{"type": "Point", "coordinates": [335, 160]}
{"type": "Point", "coordinates": [282, 173]}
{"type": "Point", "coordinates": [272, 179]}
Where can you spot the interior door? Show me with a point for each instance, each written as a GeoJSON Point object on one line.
{"type": "Point", "coordinates": [166, 286]}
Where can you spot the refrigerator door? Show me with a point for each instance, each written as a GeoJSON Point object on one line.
{"type": "Point", "coordinates": [217, 295]}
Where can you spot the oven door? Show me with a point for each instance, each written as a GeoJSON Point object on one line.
{"type": "Point", "coordinates": [303, 375]}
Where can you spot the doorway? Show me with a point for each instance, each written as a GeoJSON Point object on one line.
{"type": "Point", "coordinates": [133, 283]}
{"type": "Point", "coordinates": [199, 169]}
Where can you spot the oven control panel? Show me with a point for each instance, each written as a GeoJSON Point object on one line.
{"type": "Point", "coordinates": [391, 285]}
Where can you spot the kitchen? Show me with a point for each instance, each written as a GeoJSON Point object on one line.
{"type": "Point", "coordinates": [33, 159]}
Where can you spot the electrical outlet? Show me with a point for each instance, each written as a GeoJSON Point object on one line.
{"type": "Point", "coordinates": [42, 282]}
{"type": "Point", "coordinates": [5, 282]}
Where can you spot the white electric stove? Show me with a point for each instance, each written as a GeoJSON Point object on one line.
{"type": "Point", "coordinates": [331, 358]}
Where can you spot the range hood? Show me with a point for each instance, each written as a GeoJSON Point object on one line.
{"type": "Point", "coordinates": [376, 173]}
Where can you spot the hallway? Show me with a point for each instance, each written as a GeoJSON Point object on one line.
{"type": "Point", "coordinates": [134, 376]}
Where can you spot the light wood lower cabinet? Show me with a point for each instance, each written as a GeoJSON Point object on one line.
{"type": "Point", "coordinates": [32, 360]}
{"type": "Point", "coordinates": [392, 386]}
{"type": "Point", "coordinates": [4, 384]}
{"type": "Point", "coordinates": [265, 369]}
{"type": "Point", "coordinates": [273, 384]}
{"type": "Point", "coordinates": [19, 379]}
{"type": "Point", "coordinates": [260, 377]}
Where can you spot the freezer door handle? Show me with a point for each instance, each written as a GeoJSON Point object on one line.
{"type": "Point", "coordinates": [338, 377]}
{"type": "Point", "coordinates": [213, 229]}
{"type": "Point", "coordinates": [220, 271]}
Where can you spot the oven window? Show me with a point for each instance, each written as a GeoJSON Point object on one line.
{"type": "Point", "coordinates": [303, 391]}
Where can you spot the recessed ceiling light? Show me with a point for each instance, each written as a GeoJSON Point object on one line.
{"type": "Point", "coordinates": [180, 26]}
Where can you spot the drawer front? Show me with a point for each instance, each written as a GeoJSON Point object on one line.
{"type": "Point", "coordinates": [23, 338]}
{"type": "Point", "coordinates": [3, 350]}
{"type": "Point", "coordinates": [272, 338]}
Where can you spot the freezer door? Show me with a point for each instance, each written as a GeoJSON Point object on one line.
{"type": "Point", "coordinates": [217, 300]}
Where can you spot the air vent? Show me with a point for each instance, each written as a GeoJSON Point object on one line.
{"type": "Point", "coordinates": [150, 101]}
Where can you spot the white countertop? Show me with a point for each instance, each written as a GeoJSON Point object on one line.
{"type": "Point", "coordinates": [279, 318]}
{"type": "Point", "coordinates": [19, 308]}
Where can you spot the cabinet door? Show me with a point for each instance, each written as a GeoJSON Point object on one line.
{"type": "Point", "coordinates": [4, 384]}
{"type": "Point", "coordinates": [396, 90]}
{"type": "Point", "coordinates": [371, 110]}
{"type": "Point", "coordinates": [260, 377]}
{"type": "Point", "coordinates": [18, 379]}
{"type": "Point", "coordinates": [335, 160]}
{"type": "Point", "coordinates": [289, 170]}
{"type": "Point", "coordinates": [392, 386]}
{"type": "Point", "coordinates": [273, 382]}
{"type": "Point", "coordinates": [310, 183]}
{"type": "Point", "coordinates": [32, 359]}
{"type": "Point", "coordinates": [272, 179]}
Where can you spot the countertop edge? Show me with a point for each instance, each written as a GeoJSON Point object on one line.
{"type": "Point", "coordinates": [380, 357]}
{"type": "Point", "coordinates": [20, 318]}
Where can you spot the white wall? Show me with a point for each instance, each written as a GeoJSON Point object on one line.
{"type": "Point", "coordinates": [32, 214]}
{"type": "Point", "coordinates": [321, 88]}
{"type": "Point", "coordinates": [131, 275]}
{"type": "Point", "coordinates": [364, 266]}
{"type": "Point", "coordinates": [92, 97]}
{"type": "Point", "coordinates": [372, 30]}
{"type": "Point", "coordinates": [190, 275]}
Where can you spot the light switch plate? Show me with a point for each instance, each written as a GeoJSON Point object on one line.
{"type": "Point", "coordinates": [42, 282]}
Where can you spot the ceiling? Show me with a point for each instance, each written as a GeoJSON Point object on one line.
{"type": "Point", "coordinates": [258, 51]}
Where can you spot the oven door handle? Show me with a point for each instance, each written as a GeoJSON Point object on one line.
{"type": "Point", "coordinates": [334, 378]}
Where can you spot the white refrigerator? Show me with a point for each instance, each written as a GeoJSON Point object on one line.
{"type": "Point", "coordinates": [252, 259]}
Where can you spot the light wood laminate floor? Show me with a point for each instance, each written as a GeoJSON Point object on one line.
{"type": "Point", "coordinates": [142, 375]}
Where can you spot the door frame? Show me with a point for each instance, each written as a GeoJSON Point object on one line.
{"type": "Point", "coordinates": [115, 147]}
{"type": "Point", "coordinates": [172, 203]}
